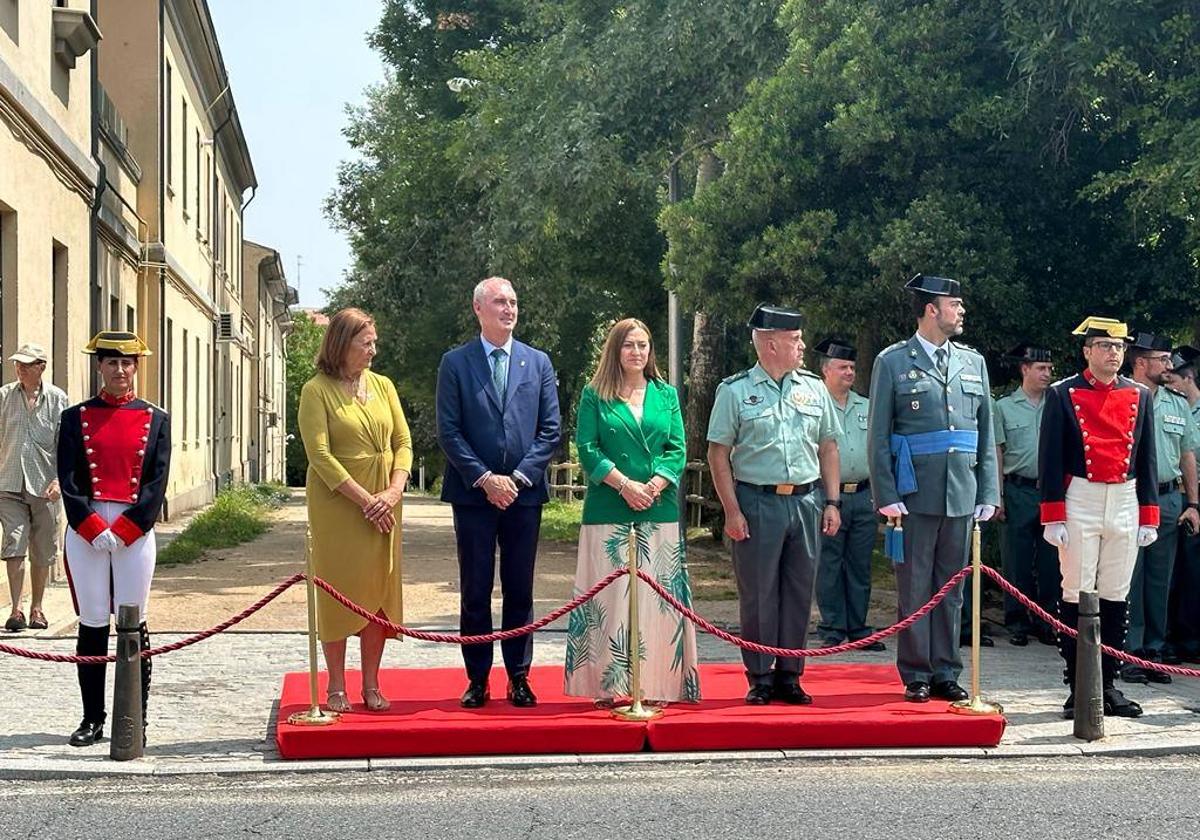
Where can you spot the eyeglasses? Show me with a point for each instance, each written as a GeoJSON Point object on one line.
{"type": "Point", "coordinates": [1109, 346]}
{"type": "Point", "coordinates": [1164, 358]}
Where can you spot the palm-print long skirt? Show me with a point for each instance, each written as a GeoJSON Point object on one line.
{"type": "Point", "coordinates": [598, 637]}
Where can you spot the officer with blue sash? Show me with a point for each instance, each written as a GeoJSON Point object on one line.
{"type": "Point", "coordinates": [933, 469]}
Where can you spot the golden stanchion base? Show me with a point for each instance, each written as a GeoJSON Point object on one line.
{"type": "Point", "coordinates": [316, 716]}
{"type": "Point", "coordinates": [636, 711]}
{"type": "Point", "coordinates": [976, 706]}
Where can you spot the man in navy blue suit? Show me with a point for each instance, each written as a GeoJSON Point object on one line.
{"type": "Point", "coordinates": [498, 423]}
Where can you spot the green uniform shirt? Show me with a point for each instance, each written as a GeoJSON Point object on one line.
{"type": "Point", "coordinates": [1196, 418]}
{"type": "Point", "coordinates": [1175, 430]}
{"type": "Point", "coordinates": [774, 430]}
{"type": "Point", "coordinates": [852, 442]}
{"type": "Point", "coordinates": [1018, 422]}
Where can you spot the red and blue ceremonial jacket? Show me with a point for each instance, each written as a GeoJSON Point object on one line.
{"type": "Point", "coordinates": [114, 449]}
{"type": "Point", "coordinates": [1096, 432]}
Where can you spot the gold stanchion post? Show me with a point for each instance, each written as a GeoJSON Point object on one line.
{"type": "Point", "coordinates": [976, 705]}
{"type": "Point", "coordinates": [635, 710]}
{"type": "Point", "coordinates": [315, 716]}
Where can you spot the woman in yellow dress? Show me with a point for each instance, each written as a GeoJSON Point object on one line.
{"type": "Point", "coordinates": [359, 458]}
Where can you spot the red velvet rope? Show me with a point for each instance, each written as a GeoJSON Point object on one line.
{"type": "Point", "coordinates": [612, 577]}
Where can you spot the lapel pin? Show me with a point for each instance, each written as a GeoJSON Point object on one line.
{"type": "Point", "coordinates": [916, 404]}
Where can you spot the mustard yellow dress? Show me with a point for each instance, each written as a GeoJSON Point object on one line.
{"type": "Point", "coordinates": [366, 441]}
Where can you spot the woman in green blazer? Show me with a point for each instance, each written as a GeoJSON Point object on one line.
{"type": "Point", "coordinates": [631, 447]}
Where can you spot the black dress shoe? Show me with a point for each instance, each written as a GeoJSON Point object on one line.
{"type": "Point", "coordinates": [948, 690]}
{"type": "Point", "coordinates": [1134, 674]}
{"type": "Point", "coordinates": [1157, 677]}
{"type": "Point", "coordinates": [1169, 656]}
{"type": "Point", "coordinates": [917, 692]}
{"type": "Point", "coordinates": [792, 694]}
{"type": "Point", "coordinates": [758, 695]}
{"type": "Point", "coordinates": [1047, 637]}
{"type": "Point", "coordinates": [964, 640]}
{"type": "Point", "coordinates": [475, 696]}
{"type": "Point", "coordinates": [88, 733]}
{"type": "Point", "coordinates": [1019, 638]}
{"type": "Point", "coordinates": [520, 694]}
{"type": "Point", "coordinates": [1117, 704]}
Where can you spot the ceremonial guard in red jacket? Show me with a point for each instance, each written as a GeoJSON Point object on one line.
{"type": "Point", "coordinates": [114, 451]}
{"type": "Point", "coordinates": [1099, 492]}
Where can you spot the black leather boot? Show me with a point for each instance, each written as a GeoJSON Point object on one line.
{"type": "Point", "coordinates": [92, 641]}
{"type": "Point", "coordinates": [1068, 614]}
{"type": "Point", "coordinates": [1114, 617]}
{"type": "Point", "coordinates": [147, 669]}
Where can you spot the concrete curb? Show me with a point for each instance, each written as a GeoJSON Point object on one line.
{"type": "Point", "coordinates": [92, 767]}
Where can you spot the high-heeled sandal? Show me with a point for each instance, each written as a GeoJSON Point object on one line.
{"type": "Point", "coordinates": [375, 701]}
{"type": "Point", "coordinates": [337, 701]}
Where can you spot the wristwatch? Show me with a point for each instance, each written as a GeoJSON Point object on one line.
{"type": "Point", "coordinates": [1193, 505]}
{"type": "Point", "coordinates": [837, 503]}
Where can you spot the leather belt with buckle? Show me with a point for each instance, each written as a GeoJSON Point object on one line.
{"type": "Point", "coordinates": [856, 487]}
{"type": "Point", "coordinates": [1020, 480]}
{"type": "Point", "coordinates": [1170, 486]}
{"type": "Point", "coordinates": [781, 489]}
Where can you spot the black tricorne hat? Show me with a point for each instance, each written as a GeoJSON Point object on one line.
{"type": "Point", "coordinates": [931, 285]}
{"type": "Point", "coordinates": [775, 318]}
{"type": "Point", "coordinates": [1150, 341]}
{"type": "Point", "coordinates": [836, 348]}
{"type": "Point", "coordinates": [1026, 352]}
{"type": "Point", "coordinates": [1184, 356]}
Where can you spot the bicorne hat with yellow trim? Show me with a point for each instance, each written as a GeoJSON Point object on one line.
{"type": "Point", "coordinates": [1096, 327]}
{"type": "Point", "coordinates": [107, 343]}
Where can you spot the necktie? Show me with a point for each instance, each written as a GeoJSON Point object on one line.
{"type": "Point", "coordinates": [500, 372]}
{"type": "Point", "coordinates": [942, 367]}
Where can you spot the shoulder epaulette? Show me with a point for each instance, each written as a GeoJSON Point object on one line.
{"type": "Point", "coordinates": [806, 372]}
{"type": "Point", "coordinates": [731, 379]}
{"type": "Point", "coordinates": [1171, 390]}
{"type": "Point", "coordinates": [892, 347]}
{"type": "Point", "coordinates": [966, 347]}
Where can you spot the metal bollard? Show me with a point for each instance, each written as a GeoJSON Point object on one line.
{"type": "Point", "coordinates": [1089, 687]}
{"type": "Point", "coordinates": [127, 691]}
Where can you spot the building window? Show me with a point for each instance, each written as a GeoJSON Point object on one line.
{"type": "Point", "coordinates": [169, 367]}
{"type": "Point", "coordinates": [183, 153]}
{"type": "Point", "coordinates": [130, 320]}
{"type": "Point", "coordinates": [114, 312]}
{"type": "Point", "coordinates": [10, 20]}
{"type": "Point", "coordinates": [61, 306]}
{"type": "Point", "coordinates": [198, 228]}
{"type": "Point", "coordinates": [187, 391]}
{"type": "Point", "coordinates": [8, 279]}
{"type": "Point", "coordinates": [198, 400]}
{"type": "Point", "coordinates": [168, 124]}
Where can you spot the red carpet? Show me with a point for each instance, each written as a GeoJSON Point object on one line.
{"type": "Point", "coordinates": [854, 706]}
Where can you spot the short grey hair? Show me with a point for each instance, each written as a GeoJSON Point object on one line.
{"type": "Point", "coordinates": [482, 286]}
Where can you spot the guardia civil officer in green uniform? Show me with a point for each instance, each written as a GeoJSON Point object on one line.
{"type": "Point", "coordinates": [1175, 440]}
{"type": "Point", "coordinates": [1184, 611]}
{"type": "Point", "coordinates": [844, 573]}
{"type": "Point", "coordinates": [933, 469]}
{"type": "Point", "coordinates": [1028, 561]}
{"type": "Point", "coordinates": [772, 445]}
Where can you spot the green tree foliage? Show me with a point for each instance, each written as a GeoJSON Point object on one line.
{"type": "Point", "coordinates": [302, 347]}
{"type": "Point", "coordinates": [989, 141]}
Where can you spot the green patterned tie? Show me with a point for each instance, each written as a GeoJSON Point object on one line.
{"type": "Point", "coordinates": [942, 365]}
{"type": "Point", "coordinates": [500, 372]}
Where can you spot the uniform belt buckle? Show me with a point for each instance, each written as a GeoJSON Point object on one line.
{"type": "Point", "coordinates": [785, 489]}
{"type": "Point", "coordinates": [850, 488]}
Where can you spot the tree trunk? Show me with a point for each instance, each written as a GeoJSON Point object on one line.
{"type": "Point", "coordinates": [708, 346]}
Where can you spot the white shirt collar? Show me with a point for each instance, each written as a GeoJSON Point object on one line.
{"type": "Point", "coordinates": [488, 347]}
{"type": "Point", "coordinates": [932, 348]}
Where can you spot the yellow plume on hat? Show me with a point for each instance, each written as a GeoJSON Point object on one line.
{"type": "Point", "coordinates": [117, 343]}
{"type": "Point", "coordinates": [1111, 327]}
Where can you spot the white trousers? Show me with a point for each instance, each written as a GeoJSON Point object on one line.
{"type": "Point", "coordinates": [100, 581]}
{"type": "Point", "coordinates": [1102, 526]}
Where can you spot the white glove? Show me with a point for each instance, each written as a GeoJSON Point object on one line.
{"type": "Point", "coordinates": [1146, 535]}
{"type": "Point", "coordinates": [106, 540]}
{"type": "Point", "coordinates": [897, 509]}
{"type": "Point", "coordinates": [1056, 534]}
{"type": "Point", "coordinates": [984, 512]}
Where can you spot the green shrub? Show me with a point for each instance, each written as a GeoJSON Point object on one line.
{"type": "Point", "coordinates": [237, 515]}
{"type": "Point", "coordinates": [560, 520]}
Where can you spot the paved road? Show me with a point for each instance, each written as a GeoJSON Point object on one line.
{"type": "Point", "coordinates": [1060, 799]}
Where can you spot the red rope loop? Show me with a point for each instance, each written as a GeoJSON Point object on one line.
{"type": "Point", "coordinates": [1053, 621]}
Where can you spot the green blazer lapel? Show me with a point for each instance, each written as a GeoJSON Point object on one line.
{"type": "Point", "coordinates": [631, 424]}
